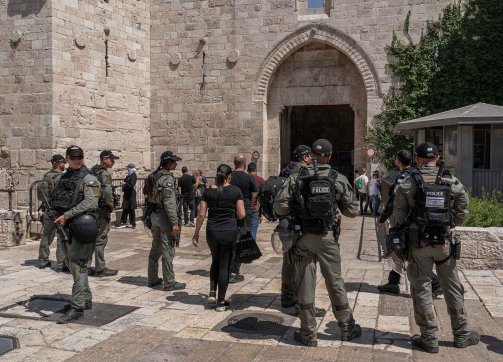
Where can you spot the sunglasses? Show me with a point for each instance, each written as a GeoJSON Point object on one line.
{"type": "Point", "coordinates": [76, 158]}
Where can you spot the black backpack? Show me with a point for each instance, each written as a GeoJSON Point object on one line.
{"type": "Point", "coordinates": [432, 213]}
{"type": "Point", "coordinates": [317, 202]}
{"type": "Point", "coordinates": [268, 193]}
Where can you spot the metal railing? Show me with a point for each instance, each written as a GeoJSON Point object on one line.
{"type": "Point", "coordinates": [487, 180]}
{"type": "Point", "coordinates": [35, 204]}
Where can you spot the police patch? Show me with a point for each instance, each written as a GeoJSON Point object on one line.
{"type": "Point", "coordinates": [320, 190]}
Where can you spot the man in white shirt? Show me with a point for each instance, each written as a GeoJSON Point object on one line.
{"type": "Point", "coordinates": [362, 183]}
{"type": "Point", "coordinates": [374, 189]}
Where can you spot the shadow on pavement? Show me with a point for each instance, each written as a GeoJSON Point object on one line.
{"type": "Point", "coordinates": [133, 280]}
{"type": "Point", "coordinates": [200, 272]}
{"type": "Point", "coordinates": [30, 262]}
{"type": "Point", "coordinates": [493, 344]}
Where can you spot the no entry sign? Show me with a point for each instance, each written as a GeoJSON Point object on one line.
{"type": "Point", "coordinates": [370, 152]}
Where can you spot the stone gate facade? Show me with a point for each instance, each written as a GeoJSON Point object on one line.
{"type": "Point", "coordinates": [205, 79]}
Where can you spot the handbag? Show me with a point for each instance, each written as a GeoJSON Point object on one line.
{"type": "Point", "coordinates": [246, 249]}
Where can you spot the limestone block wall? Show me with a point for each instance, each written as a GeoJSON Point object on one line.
{"type": "Point", "coordinates": [480, 247]}
{"type": "Point", "coordinates": [101, 58]}
{"type": "Point", "coordinates": [208, 60]}
{"type": "Point", "coordinates": [25, 93]}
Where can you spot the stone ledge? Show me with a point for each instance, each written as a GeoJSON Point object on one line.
{"type": "Point", "coordinates": [12, 228]}
{"type": "Point", "coordinates": [480, 246]}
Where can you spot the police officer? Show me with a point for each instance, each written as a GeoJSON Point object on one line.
{"type": "Point", "coordinates": [76, 193]}
{"type": "Point", "coordinates": [318, 244]}
{"type": "Point", "coordinates": [49, 231]}
{"type": "Point", "coordinates": [403, 161]}
{"type": "Point", "coordinates": [105, 208]}
{"type": "Point", "coordinates": [432, 249]}
{"type": "Point", "coordinates": [164, 224]}
{"type": "Point", "coordinates": [301, 158]}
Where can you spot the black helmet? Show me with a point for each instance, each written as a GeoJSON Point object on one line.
{"type": "Point", "coordinates": [85, 228]}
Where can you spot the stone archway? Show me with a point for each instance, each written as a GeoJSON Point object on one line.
{"type": "Point", "coordinates": [363, 99]}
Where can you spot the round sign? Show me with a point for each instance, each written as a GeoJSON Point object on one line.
{"type": "Point", "coordinates": [370, 152]}
{"type": "Point", "coordinates": [255, 155]}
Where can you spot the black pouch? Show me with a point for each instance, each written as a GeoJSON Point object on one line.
{"type": "Point", "coordinates": [396, 242]}
{"type": "Point", "coordinates": [455, 250]}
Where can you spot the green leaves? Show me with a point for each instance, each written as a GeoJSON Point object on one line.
{"type": "Point", "coordinates": [486, 211]}
{"type": "Point", "coordinates": [457, 62]}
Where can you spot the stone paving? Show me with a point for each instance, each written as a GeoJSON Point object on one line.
{"type": "Point", "coordinates": [179, 326]}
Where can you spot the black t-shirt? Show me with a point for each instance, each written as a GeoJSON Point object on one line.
{"type": "Point", "coordinates": [222, 207]}
{"type": "Point", "coordinates": [246, 184]}
{"type": "Point", "coordinates": [186, 183]}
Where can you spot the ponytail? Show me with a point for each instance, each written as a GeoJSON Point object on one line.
{"type": "Point", "coordinates": [223, 172]}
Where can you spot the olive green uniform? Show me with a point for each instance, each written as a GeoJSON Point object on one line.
{"type": "Point", "coordinates": [49, 229]}
{"type": "Point", "coordinates": [312, 248]}
{"type": "Point", "coordinates": [420, 269]}
{"type": "Point", "coordinates": [288, 290]}
{"type": "Point", "coordinates": [106, 206]}
{"type": "Point", "coordinates": [163, 218]}
{"type": "Point", "coordinates": [77, 255]}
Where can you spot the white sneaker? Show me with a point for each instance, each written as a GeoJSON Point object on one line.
{"type": "Point", "coordinates": [121, 226]}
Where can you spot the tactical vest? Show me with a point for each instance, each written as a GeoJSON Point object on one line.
{"type": "Point", "coordinates": [156, 196]}
{"type": "Point", "coordinates": [433, 211]}
{"type": "Point", "coordinates": [267, 194]}
{"type": "Point", "coordinates": [47, 184]}
{"type": "Point", "coordinates": [68, 192]}
{"type": "Point", "coordinates": [97, 170]}
{"type": "Point", "coordinates": [317, 205]}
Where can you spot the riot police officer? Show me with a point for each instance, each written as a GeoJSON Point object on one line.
{"type": "Point", "coordinates": [105, 207]}
{"type": "Point", "coordinates": [49, 230]}
{"type": "Point", "coordinates": [164, 224]}
{"type": "Point", "coordinates": [301, 158]}
{"type": "Point", "coordinates": [403, 161]}
{"type": "Point", "coordinates": [431, 204]}
{"type": "Point", "coordinates": [317, 219]}
{"type": "Point", "coordinates": [75, 198]}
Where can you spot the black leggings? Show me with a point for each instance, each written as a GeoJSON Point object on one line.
{"type": "Point", "coordinates": [221, 244]}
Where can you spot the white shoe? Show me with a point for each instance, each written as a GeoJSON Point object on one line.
{"type": "Point", "coordinates": [121, 226]}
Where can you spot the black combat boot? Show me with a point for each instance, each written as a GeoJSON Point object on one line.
{"type": "Point", "coordinates": [44, 265]}
{"type": "Point", "coordinates": [473, 339]}
{"type": "Point", "coordinates": [107, 273]}
{"type": "Point", "coordinates": [154, 283]}
{"type": "Point", "coordinates": [174, 286]}
{"type": "Point", "coordinates": [393, 284]}
{"type": "Point", "coordinates": [299, 339]}
{"type": "Point", "coordinates": [418, 342]}
{"type": "Point", "coordinates": [235, 278]}
{"type": "Point", "coordinates": [354, 332]}
{"type": "Point", "coordinates": [71, 315]}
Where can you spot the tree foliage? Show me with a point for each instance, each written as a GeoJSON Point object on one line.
{"type": "Point", "coordinates": [455, 63]}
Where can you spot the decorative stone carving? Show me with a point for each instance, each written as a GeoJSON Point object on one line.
{"type": "Point", "coordinates": [175, 59]}
{"type": "Point", "coordinates": [233, 56]}
{"type": "Point", "coordinates": [80, 41]}
{"type": "Point", "coordinates": [16, 36]}
{"type": "Point", "coordinates": [132, 55]}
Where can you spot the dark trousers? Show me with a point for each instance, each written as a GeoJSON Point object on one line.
{"type": "Point", "coordinates": [363, 199]}
{"type": "Point", "coordinates": [221, 244]}
{"type": "Point", "coordinates": [131, 214]}
{"type": "Point", "coordinates": [188, 204]}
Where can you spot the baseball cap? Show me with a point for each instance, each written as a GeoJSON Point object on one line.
{"type": "Point", "coordinates": [73, 150]}
{"type": "Point", "coordinates": [322, 147]}
{"type": "Point", "coordinates": [57, 158]}
{"type": "Point", "coordinates": [131, 165]}
{"type": "Point", "coordinates": [108, 154]}
{"type": "Point", "coordinates": [301, 150]}
{"type": "Point", "coordinates": [426, 150]}
{"type": "Point", "coordinates": [168, 155]}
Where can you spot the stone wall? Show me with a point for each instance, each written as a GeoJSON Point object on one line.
{"type": "Point", "coordinates": [25, 92]}
{"type": "Point", "coordinates": [214, 61]}
{"type": "Point", "coordinates": [55, 91]}
{"type": "Point", "coordinates": [12, 228]}
{"type": "Point", "coordinates": [480, 247]}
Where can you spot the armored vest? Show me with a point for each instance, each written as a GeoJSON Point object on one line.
{"type": "Point", "coordinates": [317, 205]}
{"type": "Point", "coordinates": [156, 195]}
{"type": "Point", "coordinates": [47, 184]}
{"type": "Point", "coordinates": [97, 170]}
{"type": "Point", "coordinates": [68, 191]}
{"type": "Point", "coordinates": [433, 212]}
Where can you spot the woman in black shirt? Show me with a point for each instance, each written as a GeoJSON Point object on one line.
{"type": "Point", "coordinates": [225, 205]}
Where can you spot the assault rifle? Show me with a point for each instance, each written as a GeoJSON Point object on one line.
{"type": "Point", "coordinates": [179, 216]}
{"type": "Point", "coordinates": [53, 215]}
{"type": "Point", "coordinates": [444, 180]}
